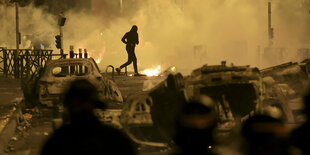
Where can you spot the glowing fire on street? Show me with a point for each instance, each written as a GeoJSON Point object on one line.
{"type": "Point", "coordinates": [152, 72]}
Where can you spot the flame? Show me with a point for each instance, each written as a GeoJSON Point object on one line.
{"type": "Point", "coordinates": [152, 72]}
{"type": "Point", "coordinates": [97, 56]}
{"type": "Point", "coordinates": [98, 60]}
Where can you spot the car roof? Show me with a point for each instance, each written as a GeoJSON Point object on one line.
{"type": "Point", "coordinates": [72, 60]}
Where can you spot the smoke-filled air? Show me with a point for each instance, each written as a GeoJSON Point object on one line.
{"type": "Point", "coordinates": [182, 33]}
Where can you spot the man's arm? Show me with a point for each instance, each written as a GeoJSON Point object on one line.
{"type": "Point", "coordinates": [124, 39]}
{"type": "Point", "coordinates": [137, 39]}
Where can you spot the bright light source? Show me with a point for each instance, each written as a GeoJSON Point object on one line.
{"type": "Point", "coordinates": [152, 72]}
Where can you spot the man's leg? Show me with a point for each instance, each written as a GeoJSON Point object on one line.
{"type": "Point", "coordinates": [135, 66]}
{"type": "Point", "coordinates": [134, 60]}
{"type": "Point", "coordinates": [130, 56]}
{"type": "Point", "coordinates": [128, 49]}
{"type": "Point", "coordinates": [127, 63]}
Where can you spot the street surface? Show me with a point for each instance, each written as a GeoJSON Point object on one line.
{"type": "Point", "coordinates": [10, 90]}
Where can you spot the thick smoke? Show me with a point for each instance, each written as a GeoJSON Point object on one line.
{"type": "Point", "coordinates": [227, 30]}
{"type": "Point", "coordinates": [36, 26]}
{"type": "Point", "coordinates": [184, 33]}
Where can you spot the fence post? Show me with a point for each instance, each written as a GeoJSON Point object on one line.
{"type": "Point", "coordinates": [27, 63]}
{"type": "Point", "coordinates": [85, 53]}
{"type": "Point", "coordinates": [5, 65]}
{"type": "Point", "coordinates": [22, 69]}
{"type": "Point", "coordinates": [50, 57]}
{"type": "Point", "coordinates": [71, 52]}
{"type": "Point", "coordinates": [85, 56]}
{"type": "Point", "coordinates": [1, 50]}
{"type": "Point", "coordinates": [80, 66]}
{"type": "Point", "coordinates": [16, 64]}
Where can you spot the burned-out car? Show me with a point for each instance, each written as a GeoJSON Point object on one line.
{"type": "Point", "coordinates": [285, 85]}
{"type": "Point", "coordinates": [58, 73]}
{"type": "Point", "coordinates": [236, 90]}
{"type": "Point", "coordinates": [292, 73]}
{"type": "Point", "coordinates": [148, 117]}
{"type": "Point", "coordinates": [137, 121]}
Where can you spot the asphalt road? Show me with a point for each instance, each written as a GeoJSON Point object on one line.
{"type": "Point", "coordinates": [9, 90]}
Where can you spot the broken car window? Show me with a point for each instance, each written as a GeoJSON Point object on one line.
{"type": "Point", "coordinates": [70, 69]}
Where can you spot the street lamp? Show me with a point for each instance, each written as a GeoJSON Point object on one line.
{"type": "Point", "coordinates": [18, 41]}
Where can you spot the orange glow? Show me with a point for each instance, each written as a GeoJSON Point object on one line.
{"type": "Point", "coordinates": [152, 72]}
{"type": "Point", "coordinates": [98, 60]}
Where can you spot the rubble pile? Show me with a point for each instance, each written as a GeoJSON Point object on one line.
{"type": "Point", "coordinates": [24, 119]}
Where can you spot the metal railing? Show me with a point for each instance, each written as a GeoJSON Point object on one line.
{"type": "Point", "coordinates": [25, 62]}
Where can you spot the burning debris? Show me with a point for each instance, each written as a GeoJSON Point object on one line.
{"type": "Point", "coordinates": [152, 72]}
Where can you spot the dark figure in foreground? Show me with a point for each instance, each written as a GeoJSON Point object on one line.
{"type": "Point", "coordinates": [300, 137]}
{"type": "Point", "coordinates": [265, 135]}
{"type": "Point", "coordinates": [131, 39]}
{"type": "Point", "coordinates": [85, 134]}
{"type": "Point", "coordinates": [194, 129]}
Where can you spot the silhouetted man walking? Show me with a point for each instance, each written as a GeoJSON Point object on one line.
{"type": "Point", "coordinates": [131, 39]}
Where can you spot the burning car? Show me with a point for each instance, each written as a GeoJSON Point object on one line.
{"type": "Point", "coordinates": [58, 73]}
